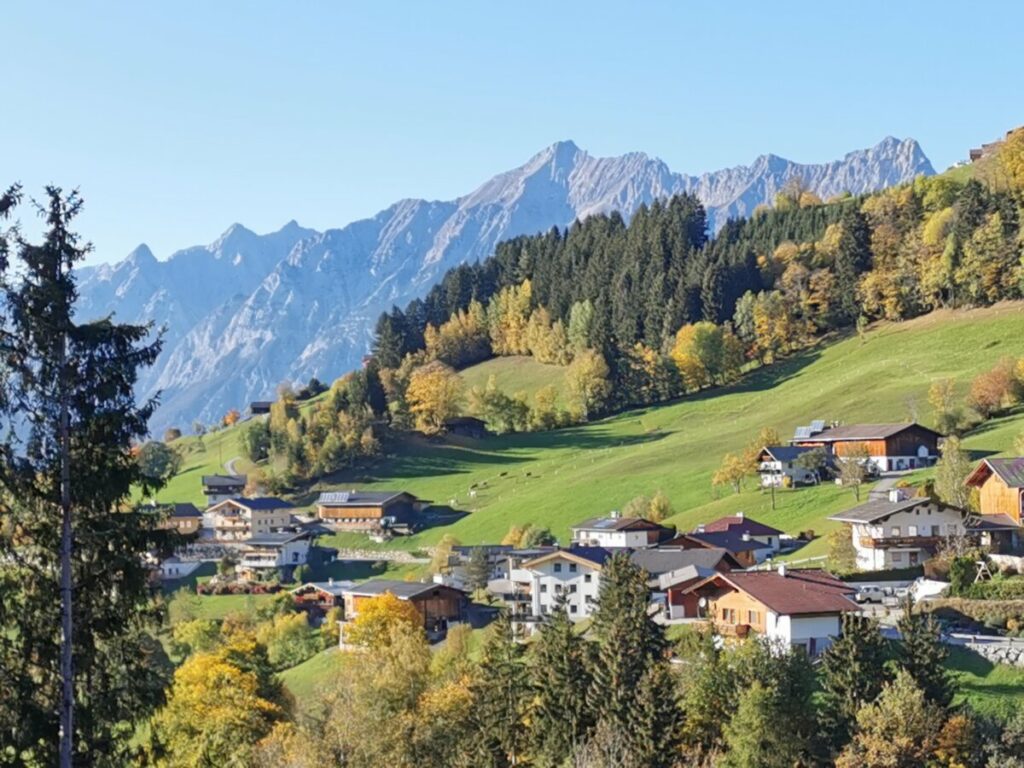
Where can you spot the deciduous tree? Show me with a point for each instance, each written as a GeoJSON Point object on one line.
{"type": "Point", "coordinates": [434, 394]}
{"type": "Point", "coordinates": [377, 619]}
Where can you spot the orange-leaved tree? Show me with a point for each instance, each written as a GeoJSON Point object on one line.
{"type": "Point", "coordinates": [378, 617]}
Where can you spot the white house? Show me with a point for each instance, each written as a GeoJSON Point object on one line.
{"type": "Point", "coordinates": [778, 466]}
{"type": "Point", "coordinates": [617, 531]}
{"type": "Point", "coordinates": [267, 551]}
{"type": "Point", "coordinates": [898, 532]}
{"type": "Point", "coordinates": [801, 608]}
{"type": "Point", "coordinates": [573, 574]}
{"type": "Point", "coordinates": [241, 518]}
{"type": "Point", "coordinates": [218, 488]}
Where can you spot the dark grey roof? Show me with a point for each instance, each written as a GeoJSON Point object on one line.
{"type": "Point", "coordinates": [264, 503]}
{"type": "Point", "coordinates": [613, 524]}
{"type": "Point", "coordinates": [786, 452]}
{"type": "Point", "coordinates": [274, 539]}
{"type": "Point", "coordinates": [224, 481]}
{"type": "Point", "coordinates": [1010, 471]}
{"type": "Point", "coordinates": [185, 510]}
{"type": "Point", "coordinates": [877, 509]}
{"type": "Point", "coordinates": [403, 590]}
{"type": "Point", "coordinates": [336, 588]}
{"type": "Point", "coordinates": [356, 498]}
{"type": "Point", "coordinates": [659, 561]}
{"type": "Point", "coordinates": [861, 432]}
{"type": "Point", "coordinates": [1000, 522]}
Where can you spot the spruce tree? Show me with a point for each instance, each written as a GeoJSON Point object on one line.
{"type": "Point", "coordinates": [923, 655]}
{"type": "Point", "coordinates": [499, 692]}
{"type": "Point", "coordinates": [758, 734]}
{"type": "Point", "coordinates": [560, 678]}
{"type": "Point", "coordinates": [78, 668]}
{"type": "Point", "coordinates": [851, 675]}
{"type": "Point", "coordinates": [629, 643]}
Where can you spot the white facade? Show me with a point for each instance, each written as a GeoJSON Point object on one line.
{"type": "Point", "coordinates": [573, 578]}
{"type": "Point", "coordinates": [776, 472]}
{"type": "Point", "coordinates": [234, 522]}
{"type": "Point", "coordinates": [813, 633]}
{"type": "Point", "coordinates": [288, 554]}
{"type": "Point", "coordinates": [597, 537]}
{"type": "Point", "coordinates": [890, 542]}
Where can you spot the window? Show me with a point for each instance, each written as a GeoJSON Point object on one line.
{"type": "Point", "coordinates": [912, 530]}
{"type": "Point", "coordinates": [543, 588]}
{"type": "Point", "coordinates": [558, 567]}
{"type": "Point", "coordinates": [587, 578]}
{"type": "Point", "coordinates": [936, 530]}
{"type": "Point", "coordinates": [897, 557]}
{"type": "Point", "coordinates": [572, 588]}
{"type": "Point", "coordinates": [572, 567]}
{"type": "Point", "coordinates": [751, 617]}
{"type": "Point", "coordinates": [894, 531]}
{"type": "Point", "coordinates": [558, 589]}
{"type": "Point", "coordinates": [572, 609]}
{"type": "Point", "coordinates": [729, 615]}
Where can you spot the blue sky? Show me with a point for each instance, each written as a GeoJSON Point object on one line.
{"type": "Point", "coordinates": [178, 119]}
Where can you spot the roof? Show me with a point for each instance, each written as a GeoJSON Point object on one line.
{"type": "Point", "coordinates": [741, 524]}
{"type": "Point", "coordinates": [262, 503]}
{"type": "Point", "coordinates": [355, 498]}
{"type": "Point", "coordinates": [1009, 470]}
{"type": "Point", "coordinates": [404, 590]}
{"type": "Point", "coordinates": [659, 561]}
{"type": "Point", "coordinates": [878, 509]}
{"type": "Point", "coordinates": [786, 452]}
{"type": "Point", "coordinates": [798, 592]}
{"type": "Point", "coordinates": [614, 524]}
{"type": "Point", "coordinates": [464, 421]}
{"type": "Point", "coordinates": [335, 588]}
{"type": "Point", "coordinates": [587, 555]}
{"type": "Point", "coordinates": [860, 432]}
{"type": "Point", "coordinates": [261, 403]}
{"type": "Point", "coordinates": [185, 510]}
{"type": "Point", "coordinates": [732, 541]}
{"type": "Point", "coordinates": [274, 539]}
{"type": "Point", "coordinates": [224, 481]}
{"type": "Point", "coordinates": [1000, 522]}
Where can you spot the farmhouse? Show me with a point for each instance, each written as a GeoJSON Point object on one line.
{"type": "Point", "coordinates": [778, 466]}
{"type": "Point", "coordinates": [369, 510]}
{"type": "Point", "coordinates": [793, 607]}
{"type": "Point", "coordinates": [897, 532]}
{"type": "Point", "coordinates": [616, 531]}
{"type": "Point", "coordinates": [740, 524]}
{"type": "Point", "coordinates": [259, 407]}
{"type": "Point", "coordinates": [437, 604]}
{"type": "Point", "coordinates": [1000, 484]}
{"type": "Point", "coordinates": [466, 426]}
{"type": "Point", "coordinates": [890, 447]}
{"type": "Point", "coordinates": [741, 548]}
{"type": "Point", "coordinates": [217, 488]}
{"type": "Point", "coordinates": [321, 596]}
{"type": "Point", "coordinates": [239, 519]}
{"type": "Point", "coordinates": [264, 552]}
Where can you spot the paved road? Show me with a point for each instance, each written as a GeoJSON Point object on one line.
{"type": "Point", "coordinates": [229, 465]}
{"type": "Point", "coordinates": [882, 487]}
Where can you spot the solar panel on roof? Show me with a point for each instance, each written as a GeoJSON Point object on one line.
{"type": "Point", "coordinates": [817, 425]}
{"type": "Point", "coordinates": [802, 432]}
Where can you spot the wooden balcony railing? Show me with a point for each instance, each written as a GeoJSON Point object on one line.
{"type": "Point", "coordinates": [889, 542]}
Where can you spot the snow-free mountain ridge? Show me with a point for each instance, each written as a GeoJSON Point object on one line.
{"type": "Point", "coordinates": [249, 311]}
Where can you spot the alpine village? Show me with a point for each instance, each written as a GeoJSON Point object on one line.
{"type": "Point", "coordinates": [662, 483]}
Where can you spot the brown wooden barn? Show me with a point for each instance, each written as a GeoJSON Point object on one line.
{"type": "Point", "coordinates": [1000, 484]}
{"type": "Point", "coordinates": [369, 510]}
{"type": "Point", "coordinates": [891, 447]}
{"type": "Point", "coordinates": [437, 603]}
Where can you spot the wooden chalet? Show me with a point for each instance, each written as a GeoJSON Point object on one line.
{"type": "Point", "coordinates": [437, 604]}
{"type": "Point", "coordinates": [370, 511]}
{"type": "Point", "coordinates": [321, 596]}
{"type": "Point", "coordinates": [1000, 484]}
{"type": "Point", "coordinates": [890, 447]}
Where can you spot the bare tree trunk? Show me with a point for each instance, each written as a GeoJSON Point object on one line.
{"type": "Point", "coordinates": [67, 704]}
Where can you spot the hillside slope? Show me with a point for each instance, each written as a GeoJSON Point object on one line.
{"type": "Point", "coordinates": [558, 478]}
{"type": "Point", "coordinates": [249, 311]}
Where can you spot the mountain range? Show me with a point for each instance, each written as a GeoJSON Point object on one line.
{"type": "Point", "coordinates": [249, 311]}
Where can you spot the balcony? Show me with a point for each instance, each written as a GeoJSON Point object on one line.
{"type": "Point", "coordinates": [897, 542]}
{"type": "Point", "coordinates": [732, 630]}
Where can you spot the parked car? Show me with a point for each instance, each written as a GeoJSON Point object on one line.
{"type": "Point", "coordinates": [869, 593]}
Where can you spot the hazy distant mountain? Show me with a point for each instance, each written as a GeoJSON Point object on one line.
{"type": "Point", "coordinates": [250, 311]}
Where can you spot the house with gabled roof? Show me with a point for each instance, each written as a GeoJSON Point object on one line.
{"type": "Point", "coordinates": [572, 575]}
{"type": "Point", "coordinates": [240, 518]}
{"type": "Point", "coordinates": [778, 466]}
{"type": "Point", "coordinates": [438, 604]}
{"type": "Point", "coordinates": [899, 530]}
{"type": "Point", "coordinates": [747, 540]}
{"type": "Point", "coordinates": [801, 608]}
{"type": "Point", "coordinates": [1000, 484]}
{"type": "Point", "coordinates": [321, 596]}
{"type": "Point", "coordinates": [369, 511]}
{"type": "Point", "coordinates": [217, 488]}
{"type": "Point", "coordinates": [281, 551]}
{"type": "Point", "coordinates": [890, 447]}
{"type": "Point", "coordinates": [617, 531]}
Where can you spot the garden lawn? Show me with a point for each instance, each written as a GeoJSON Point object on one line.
{"type": "Point", "coordinates": [993, 689]}
{"type": "Point", "coordinates": [303, 679]}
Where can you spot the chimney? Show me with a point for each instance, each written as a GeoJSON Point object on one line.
{"type": "Point", "coordinates": [746, 537]}
{"type": "Point", "coordinates": [739, 515]}
{"type": "Point", "coordinates": [897, 495]}
{"type": "Point", "coordinates": [330, 580]}
{"type": "Point", "coordinates": [700, 528]}
{"type": "Point", "coordinates": [782, 570]}
{"type": "Point", "coordinates": [614, 514]}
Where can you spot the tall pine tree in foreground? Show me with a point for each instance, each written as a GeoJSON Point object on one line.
{"type": "Point", "coordinates": [852, 674]}
{"type": "Point", "coordinates": [559, 718]}
{"type": "Point", "coordinates": [923, 654]}
{"type": "Point", "coordinates": [77, 664]}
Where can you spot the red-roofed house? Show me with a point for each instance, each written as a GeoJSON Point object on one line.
{"type": "Point", "coordinates": [740, 526]}
{"type": "Point", "coordinates": [795, 607]}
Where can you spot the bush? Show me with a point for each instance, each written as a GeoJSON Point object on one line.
{"type": "Point", "coordinates": [991, 613]}
{"type": "Point", "coordinates": [998, 588]}
{"type": "Point", "coordinates": [962, 572]}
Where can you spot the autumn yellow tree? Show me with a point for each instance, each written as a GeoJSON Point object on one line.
{"type": "Point", "coordinates": [231, 417]}
{"type": "Point", "coordinates": [377, 619]}
{"type": "Point", "coordinates": [587, 381]}
{"type": "Point", "coordinates": [731, 472]}
{"type": "Point", "coordinates": [434, 394]}
{"type": "Point", "coordinates": [508, 315]}
{"type": "Point", "coordinates": [697, 353]}
{"type": "Point", "coordinates": [220, 705]}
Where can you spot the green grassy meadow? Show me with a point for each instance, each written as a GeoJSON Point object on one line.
{"type": "Point", "coordinates": [513, 375]}
{"type": "Point", "coordinates": [560, 477]}
{"type": "Point", "coordinates": [992, 689]}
